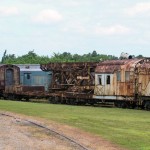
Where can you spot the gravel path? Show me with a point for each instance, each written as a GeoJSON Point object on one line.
{"type": "Point", "coordinates": [18, 134]}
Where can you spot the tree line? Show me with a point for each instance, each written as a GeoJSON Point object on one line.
{"type": "Point", "coordinates": [32, 58]}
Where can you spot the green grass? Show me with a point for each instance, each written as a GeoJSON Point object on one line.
{"type": "Point", "coordinates": [126, 127]}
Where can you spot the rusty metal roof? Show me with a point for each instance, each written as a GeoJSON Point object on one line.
{"type": "Point", "coordinates": [9, 66]}
{"type": "Point", "coordinates": [110, 66]}
{"type": "Point", "coordinates": [145, 63]}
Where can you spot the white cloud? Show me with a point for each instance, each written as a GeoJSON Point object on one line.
{"type": "Point", "coordinates": [48, 16]}
{"type": "Point", "coordinates": [139, 8]}
{"type": "Point", "coordinates": [112, 30]}
{"type": "Point", "coordinates": [74, 26]}
{"type": "Point", "coordinates": [9, 11]}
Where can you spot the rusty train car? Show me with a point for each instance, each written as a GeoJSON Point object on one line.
{"type": "Point", "coordinates": [10, 87]}
{"type": "Point", "coordinates": [125, 83]}
{"type": "Point", "coordinates": [72, 83]}
{"type": "Point", "coordinates": [9, 75]}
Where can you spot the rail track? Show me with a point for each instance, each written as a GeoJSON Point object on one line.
{"type": "Point", "coordinates": [54, 132]}
{"type": "Point", "coordinates": [106, 105]}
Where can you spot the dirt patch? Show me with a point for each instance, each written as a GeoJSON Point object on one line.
{"type": "Point", "coordinates": [18, 134]}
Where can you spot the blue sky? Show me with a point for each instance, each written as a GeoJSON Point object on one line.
{"type": "Point", "coordinates": [75, 26]}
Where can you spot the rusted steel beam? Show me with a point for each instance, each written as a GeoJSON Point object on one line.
{"type": "Point", "coordinates": [68, 66]}
{"type": "Point", "coordinates": [79, 76]}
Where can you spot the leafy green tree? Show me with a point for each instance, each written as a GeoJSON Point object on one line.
{"type": "Point", "coordinates": [139, 56]}
{"type": "Point", "coordinates": [32, 58]}
{"type": "Point", "coordinates": [94, 53]}
{"type": "Point", "coordinates": [4, 56]}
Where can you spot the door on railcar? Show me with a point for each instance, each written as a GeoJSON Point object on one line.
{"type": "Point", "coordinates": [27, 79]}
{"type": "Point", "coordinates": [9, 77]}
{"type": "Point", "coordinates": [125, 83]}
{"type": "Point", "coordinates": [104, 85]}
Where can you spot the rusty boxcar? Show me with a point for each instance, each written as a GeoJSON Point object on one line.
{"type": "Point", "coordinates": [125, 82]}
{"type": "Point", "coordinates": [10, 87]}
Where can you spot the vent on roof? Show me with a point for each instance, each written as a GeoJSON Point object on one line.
{"type": "Point", "coordinates": [125, 56]}
{"type": "Point", "coordinates": [27, 67]}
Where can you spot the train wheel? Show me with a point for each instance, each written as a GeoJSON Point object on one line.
{"type": "Point", "coordinates": [56, 100]}
{"type": "Point", "coordinates": [50, 99]}
{"type": "Point", "coordinates": [18, 98]}
{"type": "Point", "coordinates": [27, 99]}
{"type": "Point", "coordinates": [11, 97]}
{"type": "Point", "coordinates": [132, 106]}
{"type": "Point", "coordinates": [147, 105]}
{"type": "Point", "coordinates": [123, 105]}
{"type": "Point", "coordinates": [70, 101]}
{"type": "Point", "coordinates": [63, 100]}
{"type": "Point", "coordinates": [120, 104]}
{"type": "Point", "coordinates": [116, 104]}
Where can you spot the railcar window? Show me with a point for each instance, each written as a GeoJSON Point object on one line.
{"type": "Point", "coordinates": [100, 79]}
{"type": "Point", "coordinates": [28, 76]}
{"type": "Point", "coordinates": [108, 79]}
{"type": "Point", "coordinates": [127, 76]}
{"type": "Point", "coordinates": [118, 76]}
{"type": "Point", "coordinates": [38, 80]}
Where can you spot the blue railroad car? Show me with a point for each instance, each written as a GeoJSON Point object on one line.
{"type": "Point", "coordinates": [32, 75]}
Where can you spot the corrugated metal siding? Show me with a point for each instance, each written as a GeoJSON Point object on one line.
{"type": "Point", "coordinates": [37, 78]}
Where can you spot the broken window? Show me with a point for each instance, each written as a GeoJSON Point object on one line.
{"type": "Point", "coordinates": [99, 79]}
{"type": "Point", "coordinates": [108, 79]}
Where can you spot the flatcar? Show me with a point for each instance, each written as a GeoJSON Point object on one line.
{"type": "Point", "coordinates": [72, 83]}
